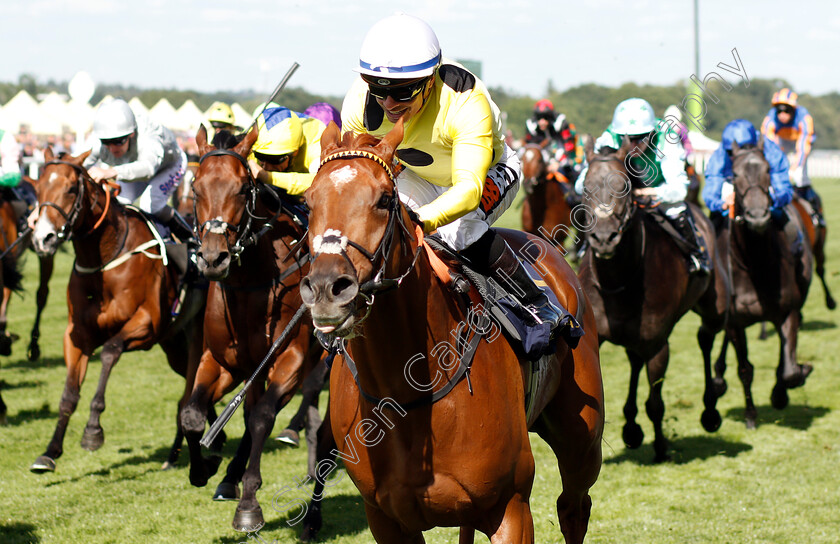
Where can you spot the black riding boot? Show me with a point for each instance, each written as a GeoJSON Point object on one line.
{"type": "Point", "coordinates": [491, 255]}
{"type": "Point", "coordinates": [180, 230]}
{"type": "Point", "coordinates": [698, 258]}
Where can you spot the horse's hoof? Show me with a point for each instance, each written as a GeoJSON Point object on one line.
{"type": "Point", "coordinates": [632, 435]}
{"type": "Point", "coordinates": [711, 421]}
{"type": "Point", "coordinates": [779, 397]}
{"type": "Point", "coordinates": [829, 303]}
{"type": "Point", "coordinates": [167, 465]}
{"type": "Point", "coordinates": [93, 439]}
{"type": "Point", "coordinates": [201, 472]}
{"type": "Point", "coordinates": [43, 464]}
{"type": "Point", "coordinates": [719, 387]}
{"type": "Point", "coordinates": [33, 353]}
{"type": "Point", "coordinates": [750, 423]}
{"type": "Point", "coordinates": [248, 521]}
{"type": "Point", "coordinates": [798, 378]}
{"type": "Point", "coordinates": [5, 344]}
{"type": "Point", "coordinates": [290, 437]}
{"type": "Point", "coordinates": [308, 534]}
{"type": "Point", "coordinates": [3, 420]}
{"type": "Point", "coordinates": [226, 491]}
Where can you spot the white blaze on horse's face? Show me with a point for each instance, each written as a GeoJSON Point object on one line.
{"type": "Point", "coordinates": [43, 229]}
{"type": "Point", "coordinates": [343, 176]}
{"type": "Point", "coordinates": [335, 243]}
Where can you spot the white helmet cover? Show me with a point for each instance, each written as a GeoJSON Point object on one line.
{"type": "Point", "coordinates": [400, 46]}
{"type": "Point", "coordinates": [632, 117]}
{"type": "Point", "coordinates": [113, 119]}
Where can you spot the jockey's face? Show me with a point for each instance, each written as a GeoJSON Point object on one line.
{"type": "Point", "coordinates": [784, 113]}
{"type": "Point", "coordinates": [118, 146]}
{"type": "Point", "coordinates": [394, 108]}
{"type": "Point", "coordinates": [542, 122]}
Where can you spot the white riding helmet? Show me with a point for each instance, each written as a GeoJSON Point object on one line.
{"type": "Point", "coordinates": [113, 119]}
{"type": "Point", "coordinates": [633, 117]}
{"type": "Point", "coordinates": [400, 46]}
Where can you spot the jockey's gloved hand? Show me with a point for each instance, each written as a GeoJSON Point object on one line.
{"type": "Point", "coordinates": [413, 216]}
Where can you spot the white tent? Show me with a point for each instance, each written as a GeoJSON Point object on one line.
{"type": "Point", "coordinates": [164, 113]}
{"type": "Point", "coordinates": [138, 106]}
{"type": "Point", "coordinates": [189, 117]}
{"type": "Point", "coordinates": [243, 118]}
{"type": "Point", "coordinates": [22, 109]}
{"type": "Point", "coordinates": [703, 148]}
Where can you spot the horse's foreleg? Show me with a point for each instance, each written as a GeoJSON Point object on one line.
{"type": "Point", "coordinates": [313, 519]}
{"type": "Point", "coordinates": [45, 265]}
{"type": "Point", "coordinates": [228, 488]}
{"type": "Point", "coordinates": [632, 432]}
{"type": "Point", "coordinates": [789, 373]}
{"type": "Point", "coordinates": [745, 373]}
{"type": "Point", "coordinates": [517, 523]}
{"type": "Point", "coordinates": [211, 383]}
{"type": "Point", "coordinates": [5, 338]}
{"type": "Point", "coordinates": [710, 419]}
{"type": "Point", "coordinates": [387, 531]}
{"type": "Point", "coordinates": [654, 405]}
{"type": "Point", "coordinates": [76, 361]}
{"type": "Point", "coordinates": [192, 353]}
{"type": "Point", "coordinates": [720, 367]}
{"type": "Point", "coordinates": [819, 260]}
{"type": "Point", "coordinates": [284, 378]}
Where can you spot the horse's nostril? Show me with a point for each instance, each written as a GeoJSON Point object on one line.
{"type": "Point", "coordinates": [222, 258]}
{"type": "Point", "coordinates": [341, 285]}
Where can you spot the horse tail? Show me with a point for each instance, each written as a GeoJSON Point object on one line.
{"type": "Point", "coordinates": [12, 275]}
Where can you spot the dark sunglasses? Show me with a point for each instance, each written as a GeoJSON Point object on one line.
{"type": "Point", "coordinates": [403, 93]}
{"type": "Point", "coordinates": [271, 159]}
{"type": "Point", "coordinates": [218, 125]}
{"type": "Point", "coordinates": [116, 141]}
{"type": "Point", "coordinates": [784, 108]}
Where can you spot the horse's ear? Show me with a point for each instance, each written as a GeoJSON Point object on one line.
{"type": "Point", "coordinates": [243, 148]}
{"type": "Point", "coordinates": [81, 158]}
{"type": "Point", "coordinates": [389, 143]}
{"type": "Point", "coordinates": [48, 154]}
{"type": "Point", "coordinates": [735, 148]}
{"type": "Point", "coordinates": [588, 146]}
{"type": "Point", "coordinates": [329, 137]}
{"type": "Point", "coordinates": [201, 140]}
{"type": "Point", "coordinates": [626, 146]}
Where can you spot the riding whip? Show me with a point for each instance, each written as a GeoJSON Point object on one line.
{"type": "Point", "coordinates": [21, 235]}
{"type": "Point", "coordinates": [225, 416]}
{"type": "Point", "coordinates": [277, 89]}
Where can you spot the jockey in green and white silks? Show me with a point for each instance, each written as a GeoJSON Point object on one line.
{"type": "Point", "coordinates": [657, 172]}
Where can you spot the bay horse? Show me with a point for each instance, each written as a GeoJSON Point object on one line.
{"type": "Point", "coordinates": [246, 237]}
{"type": "Point", "coordinates": [119, 295]}
{"type": "Point", "coordinates": [769, 282]}
{"type": "Point", "coordinates": [465, 460]}
{"type": "Point", "coordinates": [545, 211]}
{"type": "Point", "coordinates": [816, 236]}
{"type": "Point", "coordinates": [637, 279]}
{"type": "Point", "coordinates": [10, 280]}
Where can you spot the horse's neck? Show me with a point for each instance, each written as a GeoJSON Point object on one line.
{"type": "Point", "coordinates": [98, 239]}
{"type": "Point", "coordinates": [267, 259]}
{"type": "Point", "coordinates": [399, 333]}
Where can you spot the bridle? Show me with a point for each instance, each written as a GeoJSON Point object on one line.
{"type": "Point", "coordinates": [751, 184]}
{"type": "Point", "coordinates": [332, 242]}
{"type": "Point", "coordinates": [629, 211]}
{"type": "Point", "coordinates": [66, 231]}
{"type": "Point", "coordinates": [245, 235]}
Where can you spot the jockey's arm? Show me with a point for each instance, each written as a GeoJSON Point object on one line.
{"type": "Point", "coordinates": [780, 187]}
{"type": "Point", "coordinates": [715, 177]}
{"type": "Point", "coordinates": [675, 187]}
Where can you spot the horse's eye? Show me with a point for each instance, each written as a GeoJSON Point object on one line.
{"type": "Point", "coordinates": [385, 201]}
{"type": "Point", "coordinates": [73, 190]}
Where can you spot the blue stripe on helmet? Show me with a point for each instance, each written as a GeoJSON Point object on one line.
{"type": "Point", "coordinates": [401, 69]}
{"type": "Point", "coordinates": [275, 116]}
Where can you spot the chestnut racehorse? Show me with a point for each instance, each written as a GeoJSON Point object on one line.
{"type": "Point", "coordinates": [639, 284]}
{"type": "Point", "coordinates": [466, 459]}
{"type": "Point", "coordinates": [545, 211]}
{"type": "Point", "coordinates": [10, 280]}
{"type": "Point", "coordinates": [246, 238]}
{"type": "Point", "coordinates": [769, 282]}
{"type": "Point", "coordinates": [119, 296]}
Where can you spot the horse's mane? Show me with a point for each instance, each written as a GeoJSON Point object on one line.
{"type": "Point", "coordinates": [351, 140]}
{"type": "Point", "coordinates": [224, 139]}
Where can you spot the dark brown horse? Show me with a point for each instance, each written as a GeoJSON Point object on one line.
{"type": "Point", "coordinates": [10, 280]}
{"type": "Point", "coordinates": [421, 464]}
{"type": "Point", "coordinates": [246, 240]}
{"type": "Point", "coordinates": [545, 211]}
{"type": "Point", "coordinates": [119, 296]}
{"type": "Point", "coordinates": [769, 282]}
{"type": "Point", "coordinates": [638, 281]}
{"type": "Point", "coordinates": [816, 235]}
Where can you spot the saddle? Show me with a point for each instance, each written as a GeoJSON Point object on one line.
{"type": "Point", "coordinates": [512, 318]}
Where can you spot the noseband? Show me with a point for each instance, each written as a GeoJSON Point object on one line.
{"type": "Point", "coordinates": [751, 183]}
{"type": "Point", "coordinates": [66, 232]}
{"type": "Point", "coordinates": [244, 234]}
{"type": "Point", "coordinates": [332, 242]}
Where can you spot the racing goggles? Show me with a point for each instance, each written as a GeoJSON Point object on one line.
{"type": "Point", "coordinates": [381, 88]}
{"type": "Point", "coordinates": [274, 160]}
{"type": "Point", "coordinates": [115, 141]}
{"type": "Point", "coordinates": [784, 108]}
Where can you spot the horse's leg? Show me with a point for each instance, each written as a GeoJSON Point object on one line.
{"type": "Point", "coordinates": [387, 531]}
{"type": "Point", "coordinates": [76, 361]}
{"type": "Point", "coordinates": [762, 335]}
{"type": "Point", "coordinates": [632, 432]}
{"type": "Point", "coordinates": [819, 260]}
{"type": "Point", "coordinates": [284, 378]}
{"type": "Point", "coordinates": [710, 419]}
{"type": "Point", "coordinates": [654, 405]}
{"type": "Point", "coordinates": [185, 346]}
{"type": "Point", "coordinates": [5, 338]}
{"type": "Point", "coordinates": [228, 488]}
{"type": "Point", "coordinates": [313, 520]}
{"type": "Point", "coordinates": [311, 389]}
{"type": "Point", "coordinates": [211, 383]}
{"type": "Point", "coordinates": [517, 523]}
{"type": "Point", "coordinates": [745, 373]}
{"type": "Point", "coordinates": [3, 420]}
{"type": "Point", "coordinates": [466, 535]}
{"type": "Point", "coordinates": [136, 328]}
{"type": "Point", "coordinates": [720, 367]}
{"type": "Point", "coordinates": [45, 265]}
{"type": "Point", "coordinates": [789, 373]}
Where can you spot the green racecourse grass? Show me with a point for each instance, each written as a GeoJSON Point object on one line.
{"type": "Point", "coordinates": [776, 484]}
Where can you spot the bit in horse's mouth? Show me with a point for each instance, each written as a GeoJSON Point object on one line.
{"type": "Point", "coordinates": [334, 325]}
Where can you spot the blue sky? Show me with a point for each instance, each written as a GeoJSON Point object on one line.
{"type": "Point", "coordinates": [209, 45]}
